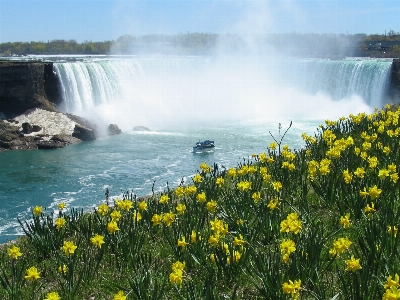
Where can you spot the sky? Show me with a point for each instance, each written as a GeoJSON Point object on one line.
{"type": "Point", "coordinates": [101, 20]}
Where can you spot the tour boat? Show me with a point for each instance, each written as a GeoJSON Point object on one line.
{"type": "Point", "coordinates": [205, 146]}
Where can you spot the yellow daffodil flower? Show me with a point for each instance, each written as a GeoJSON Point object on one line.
{"type": "Point", "coordinates": [32, 274]}
{"type": "Point", "coordinates": [353, 264]}
{"type": "Point", "coordinates": [14, 252]}
{"type": "Point", "coordinates": [69, 248]}
{"type": "Point", "coordinates": [52, 296]}
{"type": "Point", "coordinates": [97, 240]}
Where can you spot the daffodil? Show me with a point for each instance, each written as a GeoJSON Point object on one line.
{"type": "Point", "coordinates": [180, 208]}
{"type": "Point", "coordinates": [219, 227]}
{"type": "Point", "coordinates": [178, 266]}
{"type": "Point", "coordinates": [353, 264]}
{"type": "Point", "coordinates": [62, 269]}
{"type": "Point", "coordinates": [52, 296]}
{"type": "Point", "coordinates": [373, 162]}
{"type": "Point", "coordinates": [61, 205]}
{"type": "Point", "coordinates": [156, 219]}
{"type": "Point", "coordinates": [238, 241]}
{"type": "Point", "coordinates": [168, 218]}
{"type": "Point", "coordinates": [292, 288]}
{"type": "Point", "coordinates": [182, 243]}
{"type": "Point", "coordinates": [97, 240]}
{"type": "Point", "coordinates": [194, 236]}
{"type": "Point", "coordinates": [137, 216]}
{"type": "Point", "coordinates": [287, 246]}
{"type": "Point", "coordinates": [345, 221]}
{"type": "Point", "coordinates": [383, 173]}
{"type": "Point", "coordinates": [112, 227]}
{"type": "Point", "coordinates": [37, 210]}
{"type": "Point", "coordinates": [341, 244]}
{"type": "Point", "coordinates": [201, 197]}
{"type": "Point", "coordinates": [392, 230]}
{"type": "Point", "coordinates": [273, 145]}
{"type": "Point", "coordinates": [32, 274]}
{"type": "Point", "coordinates": [392, 282]}
{"type": "Point", "coordinates": [176, 277]}
{"type": "Point", "coordinates": [347, 176]}
{"type": "Point", "coordinates": [142, 205]}
{"type": "Point", "coordinates": [273, 204]}
{"type": "Point", "coordinates": [190, 190]}
{"type": "Point", "coordinates": [14, 252]}
{"type": "Point", "coordinates": [369, 209]}
{"type": "Point", "coordinates": [244, 185]}
{"type": "Point", "coordinates": [205, 168]}
{"type": "Point", "coordinates": [219, 181]}
{"type": "Point", "coordinates": [232, 172]}
{"type": "Point", "coordinates": [211, 206]}
{"type": "Point", "coordinates": [256, 197]}
{"type": "Point", "coordinates": [364, 193]}
{"type": "Point", "coordinates": [393, 293]}
{"type": "Point", "coordinates": [60, 222]}
{"type": "Point", "coordinates": [69, 248]}
{"type": "Point", "coordinates": [164, 199]}
{"type": "Point", "coordinates": [102, 209]}
{"type": "Point", "coordinates": [374, 192]}
{"type": "Point", "coordinates": [263, 157]}
{"type": "Point", "coordinates": [291, 224]}
{"type": "Point", "coordinates": [197, 178]}
{"type": "Point", "coordinates": [120, 296]}
{"type": "Point", "coordinates": [277, 186]}
{"type": "Point", "coordinates": [116, 215]}
{"type": "Point", "coordinates": [394, 177]}
{"type": "Point", "coordinates": [213, 240]}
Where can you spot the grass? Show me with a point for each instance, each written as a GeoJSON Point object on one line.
{"type": "Point", "coordinates": [315, 223]}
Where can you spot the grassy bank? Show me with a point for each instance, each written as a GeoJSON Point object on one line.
{"type": "Point", "coordinates": [318, 223]}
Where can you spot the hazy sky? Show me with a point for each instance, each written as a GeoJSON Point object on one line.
{"type": "Point", "coordinates": [100, 20]}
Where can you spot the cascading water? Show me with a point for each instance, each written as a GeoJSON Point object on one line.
{"type": "Point", "coordinates": [159, 87]}
{"type": "Point", "coordinates": [368, 78]}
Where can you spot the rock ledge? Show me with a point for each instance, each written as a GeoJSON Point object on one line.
{"type": "Point", "coordinates": [42, 129]}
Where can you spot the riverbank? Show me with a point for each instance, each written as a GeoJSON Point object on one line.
{"type": "Point", "coordinates": [42, 129]}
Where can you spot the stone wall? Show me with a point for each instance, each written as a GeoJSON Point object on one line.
{"type": "Point", "coordinates": [22, 87]}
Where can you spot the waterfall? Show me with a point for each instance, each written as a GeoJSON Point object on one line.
{"type": "Point", "coordinates": [367, 78]}
{"type": "Point", "coordinates": [159, 86]}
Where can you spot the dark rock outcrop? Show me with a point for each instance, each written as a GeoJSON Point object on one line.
{"type": "Point", "coordinates": [36, 128]}
{"type": "Point", "coordinates": [84, 133]}
{"type": "Point", "coordinates": [22, 87]}
{"type": "Point", "coordinates": [29, 85]}
{"type": "Point", "coordinates": [395, 84]}
{"type": "Point", "coordinates": [113, 129]}
{"type": "Point", "coordinates": [26, 128]}
{"type": "Point", "coordinates": [57, 130]}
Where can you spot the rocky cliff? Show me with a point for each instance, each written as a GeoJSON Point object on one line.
{"type": "Point", "coordinates": [395, 83]}
{"type": "Point", "coordinates": [29, 91]}
{"type": "Point", "coordinates": [22, 87]}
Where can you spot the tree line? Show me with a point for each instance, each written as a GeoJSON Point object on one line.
{"type": "Point", "coordinates": [301, 44]}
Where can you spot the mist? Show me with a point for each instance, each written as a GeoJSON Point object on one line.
{"type": "Point", "coordinates": [237, 74]}
{"type": "Point", "coordinates": [190, 92]}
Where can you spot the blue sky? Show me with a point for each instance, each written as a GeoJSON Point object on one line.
{"type": "Point", "coordinates": [100, 20]}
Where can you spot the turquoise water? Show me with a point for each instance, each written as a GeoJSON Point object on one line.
{"type": "Point", "coordinates": [234, 101]}
{"type": "Point", "coordinates": [79, 174]}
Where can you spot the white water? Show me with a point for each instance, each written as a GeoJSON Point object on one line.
{"type": "Point", "coordinates": [169, 92]}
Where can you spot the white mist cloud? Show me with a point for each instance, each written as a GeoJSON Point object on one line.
{"type": "Point", "coordinates": [190, 92]}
